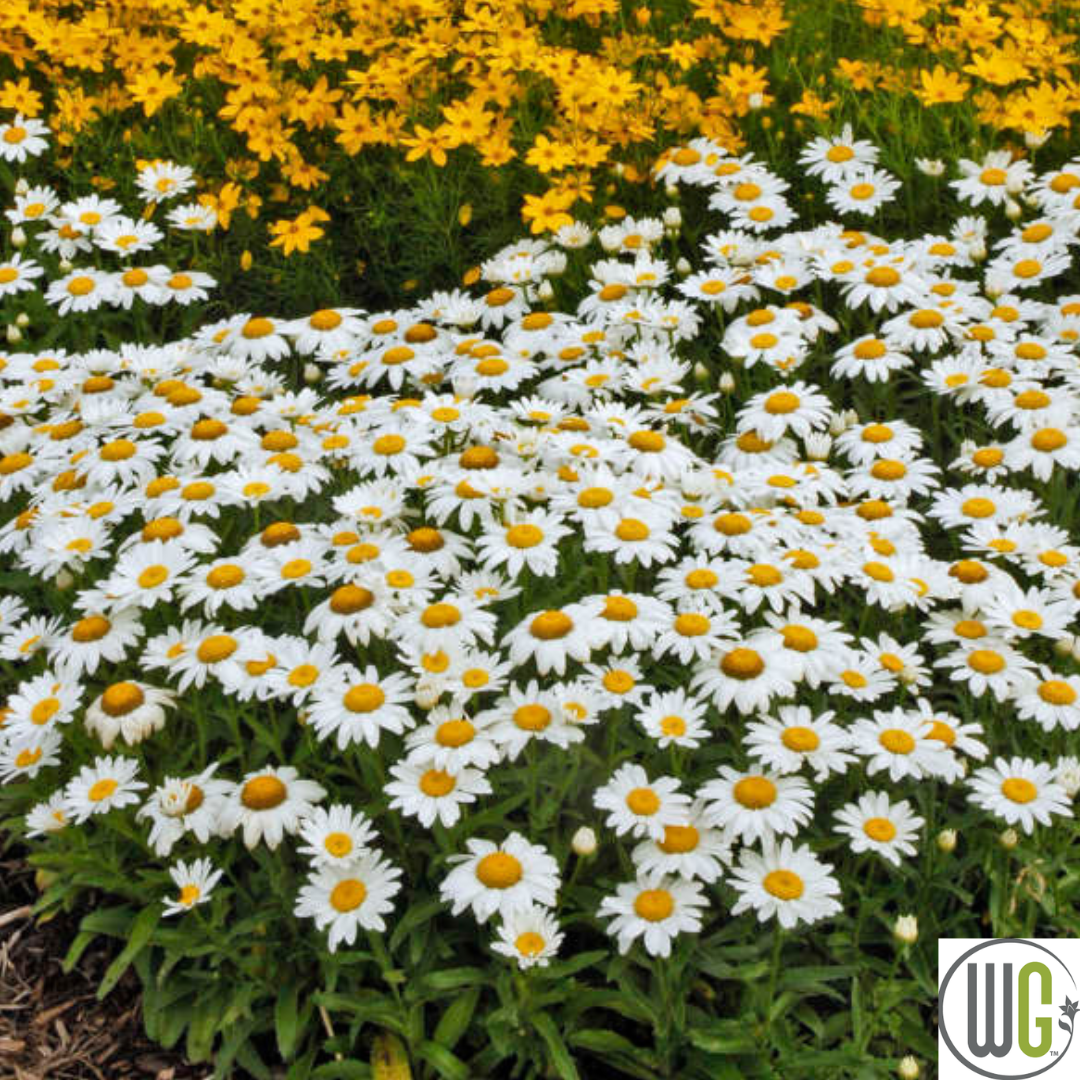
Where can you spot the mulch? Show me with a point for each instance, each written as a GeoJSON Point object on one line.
{"type": "Point", "coordinates": [52, 1027]}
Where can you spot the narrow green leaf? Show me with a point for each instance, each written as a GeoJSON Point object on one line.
{"type": "Point", "coordinates": [142, 929]}
{"type": "Point", "coordinates": [560, 1055]}
{"type": "Point", "coordinates": [285, 1018]}
{"type": "Point", "coordinates": [455, 1021]}
{"type": "Point", "coordinates": [445, 1063]}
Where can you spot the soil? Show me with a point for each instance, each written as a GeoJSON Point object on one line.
{"type": "Point", "coordinates": [52, 1027]}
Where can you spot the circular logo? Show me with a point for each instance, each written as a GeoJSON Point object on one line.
{"type": "Point", "coordinates": [1007, 1008]}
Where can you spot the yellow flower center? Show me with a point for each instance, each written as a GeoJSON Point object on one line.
{"type": "Point", "coordinates": [217, 647]}
{"type": "Point", "coordinates": [1047, 440]}
{"type": "Point", "coordinates": [799, 638]}
{"type": "Point", "coordinates": [781, 402]}
{"type": "Point", "coordinates": [654, 905]}
{"type": "Point", "coordinates": [436, 783]}
{"type": "Point", "coordinates": [1019, 790]}
{"type": "Point", "coordinates": [348, 895]}
{"type": "Point", "coordinates": [679, 839]}
{"type": "Point", "coordinates": [499, 870]}
{"type": "Point", "coordinates": [732, 524]}
{"type": "Point", "coordinates": [742, 663]}
{"type": "Point", "coordinates": [121, 698]}
{"type": "Point", "coordinates": [632, 530]}
{"type": "Point", "coordinates": [338, 844]}
{"type": "Point", "coordinates": [551, 625]}
{"type": "Point", "coordinates": [454, 733]}
{"type": "Point", "coordinates": [690, 624]}
{"type": "Point", "coordinates": [802, 740]}
{"type": "Point", "coordinates": [783, 884]}
{"type": "Point", "coordinates": [153, 576]}
{"type": "Point", "coordinates": [755, 792]}
{"type": "Point", "coordinates": [440, 616]}
{"type": "Point", "coordinates": [701, 579]}
{"type": "Point", "coordinates": [364, 698]}
{"type": "Point", "coordinates": [673, 726]}
{"type": "Point", "coordinates": [880, 829]}
{"type": "Point", "coordinates": [44, 710]}
{"type": "Point", "coordinates": [896, 741]}
{"type": "Point", "coordinates": [643, 801]}
{"type": "Point", "coordinates": [532, 717]}
{"type": "Point", "coordinates": [648, 442]}
{"type": "Point", "coordinates": [1057, 692]}
{"type": "Point", "coordinates": [529, 943]}
{"type": "Point", "coordinates": [92, 628]}
{"type": "Point", "coordinates": [882, 277]}
{"type": "Point", "coordinates": [263, 793]}
{"type": "Point", "coordinates": [986, 661]}
{"type": "Point", "coordinates": [524, 536]}
{"type": "Point", "coordinates": [102, 789]}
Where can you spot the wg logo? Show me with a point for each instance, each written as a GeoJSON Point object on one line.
{"type": "Point", "coordinates": [1006, 1007]}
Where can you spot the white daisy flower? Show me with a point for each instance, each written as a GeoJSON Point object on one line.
{"type": "Point", "coordinates": [106, 785]}
{"type": "Point", "coordinates": [348, 898]}
{"type": "Point", "coordinates": [786, 883]}
{"type": "Point", "coordinates": [1020, 791]}
{"type": "Point", "coordinates": [195, 880]}
{"type": "Point", "coordinates": [656, 909]}
{"type": "Point", "coordinates": [268, 804]}
{"type": "Point", "coordinates": [875, 824]}
{"type": "Point", "coordinates": [530, 936]}
{"type": "Point", "coordinates": [640, 806]}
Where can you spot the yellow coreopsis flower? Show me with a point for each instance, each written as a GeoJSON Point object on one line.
{"type": "Point", "coordinates": [941, 87]}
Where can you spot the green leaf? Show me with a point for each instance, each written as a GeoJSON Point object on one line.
{"type": "Point", "coordinates": [415, 916]}
{"type": "Point", "coordinates": [560, 1055]}
{"type": "Point", "coordinates": [449, 979]}
{"type": "Point", "coordinates": [799, 977]}
{"type": "Point", "coordinates": [600, 1041]}
{"type": "Point", "coordinates": [78, 947]}
{"type": "Point", "coordinates": [443, 1061]}
{"type": "Point", "coordinates": [142, 929]}
{"type": "Point", "coordinates": [724, 1037]}
{"type": "Point", "coordinates": [455, 1021]}
{"type": "Point", "coordinates": [285, 1018]}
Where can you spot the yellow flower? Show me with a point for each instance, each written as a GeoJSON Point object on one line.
{"type": "Point", "coordinates": [941, 87]}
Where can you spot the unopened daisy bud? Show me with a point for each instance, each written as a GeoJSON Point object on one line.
{"type": "Point", "coordinates": [1035, 139]}
{"type": "Point", "coordinates": [908, 1069]}
{"type": "Point", "coordinates": [755, 101]}
{"type": "Point", "coordinates": [545, 292]}
{"type": "Point", "coordinates": [1067, 774]}
{"type": "Point", "coordinates": [464, 385]}
{"type": "Point", "coordinates": [673, 217]}
{"type": "Point", "coordinates": [64, 579]}
{"type": "Point", "coordinates": [946, 841]}
{"type": "Point", "coordinates": [701, 372]}
{"type": "Point", "coordinates": [1076, 650]}
{"type": "Point", "coordinates": [583, 841]}
{"type": "Point", "coordinates": [18, 238]}
{"type": "Point", "coordinates": [1013, 210]}
{"type": "Point", "coordinates": [672, 191]}
{"type": "Point", "coordinates": [1014, 185]}
{"type": "Point", "coordinates": [906, 929]}
{"type": "Point", "coordinates": [1009, 839]}
{"type": "Point", "coordinates": [930, 166]}
{"type": "Point", "coordinates": [727, 383]}
{"type": "Point", "coordinates": [908, 675]}
{"type": "Point", "coordinates": [66, 266]}
{"type": "Point", "coordinates": [977, 251]}
{"type": "Point", "coordinates": [22, 186]}
{"type": "Point", "coordinates": [427, 695]}
{"type": "Point", "coordinates": [14, 334]}
{"type": "Point", "coordinates": [22, 320]}
{"type": "Point", "coordinates": [618, 169]}
{"type": "Point", "coordinates": [818, 445]}
{"type": "Point", "coordinates": [312, 374]}
{"type": "Point", "coordinates": [1064, 646]}
{"type": "Point", "coordinates": [851, 418]}
{"type": "Point", "coordinates": [683, 267]}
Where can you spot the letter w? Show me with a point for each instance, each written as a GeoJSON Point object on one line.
{"type": "Point", "coordinates": [989, 1046]}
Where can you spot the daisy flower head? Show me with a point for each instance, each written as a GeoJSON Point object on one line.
{"type": "Point", "coordinates": [421, 790]}
{"type": "Point", "coordinates": [1019, 791]}
{"type": "Point", "coordinates": [500, 878]}
{"type": "Point", "coordinates": [195, 880]}
{"type": "Point", "coordinates": [900, 742]}
{"type": "Point", "coordinates": [875, 824]}
{"type": "Point", "coordinates": [161, 180]}
{"type": "Point", "coordinates": [799, 408]}
{"type": "Point", "coordinates": [1051, 699]}
{"type": "Point", "coordinates": [748, 674]}
{"type": "Point", "coordinates": [673, 718]}
{"type": "Point", "coordinates": [357, 706]}
{"type": "Point", "coordinates": [132, 710]}
{"type": "Point", "coordinates": [268, 804]}
{"type": "Point", "coordinates": [757, 806]}
{"type": "Point", "coordinates": [190, 804]}
{"type": "Point", "coordinates": [833, 159]}
{"type": "Point", "coordinates": [640, 806]}
{"type": "Point", "coordinates": [47, 817]}
{"type": "Point", "coordinates": [531, 936]}
{"type": "Point", "coordinates": [22, 138]}
{"type": "Point", "coordinates": [552, 637]}
{"type": "Point", "coordinates": [862, 191]}
{"type": "Point", "coordinates": [452, 740]}
{"type": "Point", "coordinates": [106, 785]}
{"type": "Point", "coordinates": [82, 289]}
{"type": "Point", "coordinates": [795, 737]}
{"type": "Point", "coordinates": [787, 883]}
{"type": "Point", "coordinates": [991, 180]}
{"type": "Point", "coordinates": [694, 850]}
{"type": "Point", "coordinates": [656, 909]}
{"type": "Point", "coordinates": [18, 275]}
{"type": "Point", "coordinates": [348, 898]}
{"type": "Point", "coordinates": [335, 835]}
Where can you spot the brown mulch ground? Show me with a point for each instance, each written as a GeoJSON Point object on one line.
{"type": "Point", "coordinates": [52, 1027]}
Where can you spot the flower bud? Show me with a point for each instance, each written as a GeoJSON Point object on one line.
{"type": "Point", "coordinates": [946, 841]}
{"type": "Point", "coordinates": [1014, 185]}
{"type": "Point", "coordinates": [18, 238]}
{"type": "Point", "coordinates": [22, 186]}
{"type": "Point", "coordinates": [727, 383]}
{"type": "Point", "coordinates": [906, 929]}
{"type": "Point", "coordinates": [64, 579]}
{"type": "Point", "coordinates": [464, 384]}
{"type": "Point", "coordinates": [977, 251]}
{"type": "Point", "coordinates": [755, 101]}
{"type": "Point", "coordinates": [672, 191]}
{"type": "Point", "coordinates": [1067, 774]}
{"type": "Point", "coordinates": [1035, 139]}
{"type": "Point", "coordinates": [312, 374]}
{"type": "Point", "coordinates": [908, 1069]}
{"type": "Point", "coordinates": [930, 166]}
{"type": "Point", "coordinates": [673, 217]}
{"type": "Point", "coordinates": [1076, 650]}
{"type": "Point", "coordinates": [1013, 210]}
{"type": "Point", "coordinates": [1064, 645]}
{"type": "Point", "coordinates": [818, 445]}
{"type": "Point", "coordinates": [14, 334]}
{"type": "Point", "coordinates": [683, 267]}
{"type": "Point", "coordinates": [545, 292]}
{"type": "Point", "coordinates": [1009, 839]}
{"type": "Point", "coordinates": [66, 266]}
{"type": "Point", "coordinates": [583, 842]}
{"type": "Point", "coordinates": [22, 320]}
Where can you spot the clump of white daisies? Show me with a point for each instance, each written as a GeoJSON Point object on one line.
{"type": "Point", "coordinates": [503, 541]}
